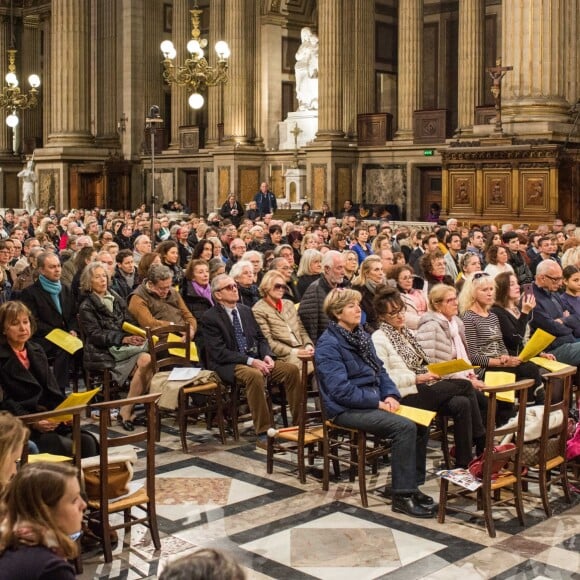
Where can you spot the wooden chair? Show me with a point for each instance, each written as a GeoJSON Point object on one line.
{"type": "Point", "coordinates": [352, 447]}
{"type": "Point", "coordinates": [76, 412]}
{"type": "Point", "coordinates": [549, 452]}
{"type": "Point", "coordinates": [187, 406]}
{"type": "Point", "coordinates": [144, 498]}
{"type": "Point", "coordinates": [506, 478]}
{"type": "Point", "coordinates": [305, 436]}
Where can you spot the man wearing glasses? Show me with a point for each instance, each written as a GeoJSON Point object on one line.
{"type": "Point", "coordinates": [238, 351]}
{"type": "Point", "coordinates": [550, 315]}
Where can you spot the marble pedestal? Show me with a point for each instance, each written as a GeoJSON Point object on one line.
{"type": "Point", "coordinates": [306, 121]}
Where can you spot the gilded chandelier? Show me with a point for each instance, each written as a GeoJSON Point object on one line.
{"type": "Point", "coordinates": [12, 98]}
{"type": "Point", "coordinates": [196, 74]}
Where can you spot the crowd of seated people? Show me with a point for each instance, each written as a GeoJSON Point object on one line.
{"type": "Point", "coordinates": [374, 304]}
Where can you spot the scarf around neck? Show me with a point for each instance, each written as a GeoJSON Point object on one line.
{"type": "Point", "coordinates": [203, 291]}
{"type": "Point", "coordinates": [361, 342]}
{"type": "Point", "coordinates": [407, 347]}
{"type": "Point", "coordinates": [52, 288]}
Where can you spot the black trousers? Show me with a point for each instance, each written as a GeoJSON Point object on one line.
{"type": "Point", "coordinates": [458, 399]}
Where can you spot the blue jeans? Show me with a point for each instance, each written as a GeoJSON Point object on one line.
{"type": "Point", "coordinates": [409, 444]}
{"type": "Point", "coordinates": [568, 353]}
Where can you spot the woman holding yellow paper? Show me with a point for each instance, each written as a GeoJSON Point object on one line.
{"type": "Point", "coordinates": [485, 343]}
{"type": "Point", "coordinates": [406, 363]}
{"type": "Point", "coordinates": [28, 384]}
{"type": "Point", "coordinates": [107, 345]}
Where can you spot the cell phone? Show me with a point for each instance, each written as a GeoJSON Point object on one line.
{"type": "Point", "coordinates": [528, 289]}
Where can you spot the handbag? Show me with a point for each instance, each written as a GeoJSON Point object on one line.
{"type": "Point", "coordinates": [119, 475]}
{"type": "Point", "coordinates": [475, 466]}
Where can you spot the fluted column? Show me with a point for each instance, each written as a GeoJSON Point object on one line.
{"type": "Point", "coordinates": [330, 78]}
{"type": "Point", "coordinates": [534, 44]}
{"type": "Point", "coordinates": [30, 54]}
{"type": "Point", "coordinates": [181, 36]}
{"type": "Point", "coordinates": [235, 92]}
{"type": "Point", "coordinates": [215, 94]}
{"type": "Point", "coordinates": [471, 62]}
{"type": "Point", "coordinates": [410, 65]}
{"type": "Point", "coordinates": [106, 86]}
{"type": "Point", "coordinates": [365, 51]}
{"type": "Point", "coordinates": [70, 70]}
{"type": "Point", "coordinates": [5, 132]}
{"type": "Point", "coordinates": [350, 62]}
{"type": "Point", "coordinates": [572, 49]}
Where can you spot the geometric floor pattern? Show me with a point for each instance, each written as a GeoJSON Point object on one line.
{"type": "Point", "coordinates": [220, 496]}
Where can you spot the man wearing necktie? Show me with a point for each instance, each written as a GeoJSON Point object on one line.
{"type": "Point", "coordinates": [238, 351]}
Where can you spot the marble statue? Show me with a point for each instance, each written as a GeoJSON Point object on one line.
{"type": "Point", "coordinates": [28, 187]}
{"type": "Point", "coordinates": [306, 70]}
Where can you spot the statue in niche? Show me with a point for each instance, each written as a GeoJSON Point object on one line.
{"type": "Point", "coordinates": [306, 70]}
{"type": "Point", "coordinates": [28, 187]}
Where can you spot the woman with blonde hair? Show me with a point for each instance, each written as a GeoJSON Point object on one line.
{"type": "Point", "coordinates": [309, 242]}
{"type": "Point", "coordinates": [309, 269]}
{"type": "Point", "coordinates": [279, 321]}
{"type": "Point", "coordinates": [370, 278]}
{"type": "Point", "coordinates": [44, 512]}
{"type": "Point", "coordinates": [13, 434]}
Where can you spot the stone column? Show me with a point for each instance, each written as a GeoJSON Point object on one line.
{"type": "Point", "coordinates": [70, 71]}
{"type": "Point", "coordinates": [572, 50]}
{"type": "Point", "coordinates": [5, 132]}
{"type": "Point", "coordinates": [235, 91]}
{"type": "Point", "coordinates": [30, 59]}
{"type": "Point", "coordinates": [410, 65]}
{"type": "Point", "coordinates": [106, 65]}
{"type": "Point", "coordinates": [179, 95]}
{"type": "Point", "coordinates": [471, 62]}
{"type": "Point", "coordinates": [365, 51]}
{"type": "Point", "coordinates": [350, 62]}
{"type": "Point", "coordinates": [330, 81]}
{"type": "Point", "coordinates": [534, 44]}
{"type": "Point", "coordinates": [215, 94]}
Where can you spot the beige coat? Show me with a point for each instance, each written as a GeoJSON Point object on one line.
{"type": "Point", "coordinates": [283, 330]}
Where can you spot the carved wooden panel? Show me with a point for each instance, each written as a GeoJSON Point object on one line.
{"type": "Point", "coordinates": [48, 188]}
{"type": "Point", "coordinates": [224, 187]}
{"type": "Point", "coordinates": [189, 139]}
{"type": "Point", "coordinates": [343, 185]}
{"type": "Point", "coordinates": [463, 188]}
{"type": "Point", "coordinates": [248, 183]}
{"type": "Point", "coordinates": [484, 115]}
{"type": "Point", "coordinates": [535, 190]}
{"type": "Point", "coordinates": [497, 190]}
{"type": "Point", "coordinates": [430, 126]}
{"type": "Point", "coordinates": [318, 183]}
{"type": "Point", "coordinates": [374, 129]}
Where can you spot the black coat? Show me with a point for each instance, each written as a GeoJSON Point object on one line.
{"type": "Point", "coordinates": [120, 285]}
{"type": "Point", "coordinates": [226, 212]}
{"type": "Point", "coordinates": [45, 313]}
{"type": "Point", "coordinates": [102, 329]}
{"type": "Point", "coordinates": [197, 304]}
{"type": "Point", "coordinates": [27, 391]}
{"type": "Point", "coordinates": [218, 331]}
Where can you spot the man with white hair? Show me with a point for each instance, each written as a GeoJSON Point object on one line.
{"type": "Point", "coordinates": [551, 316]}
{"type": "Point", "coordinates": [452, 225]}
{"type": "Point", "coordinates": [141, 246]}
{"type": "Point", "coordinates": [310, 311]}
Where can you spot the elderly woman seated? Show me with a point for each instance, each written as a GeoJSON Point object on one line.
{"type": "Point", "coordinates": [106, 344]}
{"type": "Point", "coordinates": [357, 393]}
{"type": "Point", "coordinates": [243, 274]}
{"type": "Point", "coordinates": [279, 321]}
{"type": "Point", "coordinates": [157, 303]}
{"type": "Point", "coordinates": [309, 269]}
{"type": "Point", "coordinates": [406, 363]}
{"type": "Point", "coordinates": [28, 384]}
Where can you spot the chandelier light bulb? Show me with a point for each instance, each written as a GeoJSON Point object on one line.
{"type": "Point", "coordinates": [222, 49]}
{"type": "Point", "coordinates": [11, 79]}
{"type": "Point", "coordinates": [34, 81]}
{"type": "Point", "coordinates": [12, 120]}
{"type": "Point", "coordinates": [193, 46]}
{"type": "Point", "coordinates": [196, 101]}
{"type": "Point", "coordinates": [168, 49]}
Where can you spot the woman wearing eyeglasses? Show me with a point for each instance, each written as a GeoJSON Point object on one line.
{"type": "Point", "coordinates": [414, 299]}
{"type": "Point", "coordinates": [485, 343]}
{"type": "Point", "coordinates": [279, 321]}
{"type": "Point", "coordinates": [406, 362]}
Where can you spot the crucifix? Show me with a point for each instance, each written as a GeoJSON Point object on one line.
{"type": "Point", "coordinates": [496, 74]}
{"type": "Point", "coordinates": [296, 131]}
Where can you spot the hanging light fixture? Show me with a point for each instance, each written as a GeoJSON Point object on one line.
{"type": "Point", "coordinates": [195, 74]}
{"type": "Point", "coordinates": [12, 98]}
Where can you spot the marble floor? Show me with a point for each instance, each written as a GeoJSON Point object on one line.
{"type": "Point", "coordinates": [221, 496]}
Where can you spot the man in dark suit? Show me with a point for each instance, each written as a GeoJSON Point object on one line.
{"type": "Point", "coordinates": [237, 350]}
{"type": "Point", "coordinates": [265, 201]}
{"type": "Point", "coordinates": [53, 306]}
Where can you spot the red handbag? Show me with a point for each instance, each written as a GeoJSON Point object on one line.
{"type": "Point", "coordinates": [475, 466]}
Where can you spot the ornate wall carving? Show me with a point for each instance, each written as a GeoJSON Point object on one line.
{"type": "Point", "coordinates": [48, 187]}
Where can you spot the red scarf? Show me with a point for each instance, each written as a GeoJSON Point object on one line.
{"type": "Point", "coordinates": [277, 305]}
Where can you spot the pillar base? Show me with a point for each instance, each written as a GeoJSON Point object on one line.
{"type": "Point", "coordinates": [535, 109]}
{"type": "Point", "coordinates": [70, 140]}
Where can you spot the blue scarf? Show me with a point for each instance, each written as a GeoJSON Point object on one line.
{"type": "Point", "coordinates": [52, 288]}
